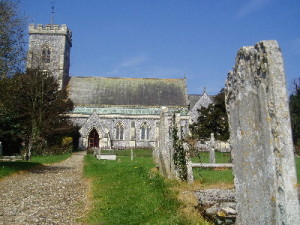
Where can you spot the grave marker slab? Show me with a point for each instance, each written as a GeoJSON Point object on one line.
{"type": "Point", "coordinates": [260, 132]}
{"type": "Point", "coordinates": [212, 154]}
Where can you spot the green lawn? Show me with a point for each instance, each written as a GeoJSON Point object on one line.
{"type": "Point", "coordinates": [203, 157]}
{"type": "Point", "coordinates": [127, 152]}
{"type": "Point", "coordinates": [211, 176]}
{"type": "Point", "coordinates": [50, 159]}
{"type": "Point", "coordinates": [298, 169]}
{"type": "Point", "coordinates": [8, 168]}
{"type": "Point", "coordinates": [126, 192]}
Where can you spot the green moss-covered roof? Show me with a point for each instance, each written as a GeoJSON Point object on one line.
{"type": "Point", "coordinates": [127, 91]}
{"type": "Point", "coordinates": [105, 110]}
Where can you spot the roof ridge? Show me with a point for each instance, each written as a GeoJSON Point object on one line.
{"type": "Point", "coordinates": [127, 78]}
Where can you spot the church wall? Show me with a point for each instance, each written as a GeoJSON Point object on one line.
{"type": "Point", "coordinates": [132, 130]}
{"type": "Point", "coordinates": [132, 135]}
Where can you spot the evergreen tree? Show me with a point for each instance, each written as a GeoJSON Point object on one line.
{"type": "Point", "coordinates": [212, 119]}
{"type": "Point", "coordinates": [295, 112]}
{"type": "Point", "coordinates": [37, 109]}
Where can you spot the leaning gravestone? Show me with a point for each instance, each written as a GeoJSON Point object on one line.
{"type": "Point", "coordinates": [262, 148]}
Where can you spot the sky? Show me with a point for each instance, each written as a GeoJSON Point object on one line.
{"type": "Point", "coordinates": [198, 39]}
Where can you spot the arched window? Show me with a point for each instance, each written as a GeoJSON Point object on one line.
{"type": "Point", "coordinates": [145, 131]}
{"type": "Point", "coordinates": [119, 131]}
{"type": "Point", "coordinates": [46, 52]}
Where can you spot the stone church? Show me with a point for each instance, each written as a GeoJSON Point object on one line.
{"type": "Point", "coordinates": [111, 112]}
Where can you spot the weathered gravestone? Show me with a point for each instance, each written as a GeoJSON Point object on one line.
{"type": "Point", "coordinates": [212, 154]}
{"type": "Point", "coordinates": [165, 150]}
{"type": "Point", "coordinates": [131, 154]}
{"type": "Point", "coordinates": [262, 148]}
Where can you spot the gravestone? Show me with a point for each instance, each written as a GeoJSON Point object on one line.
{"type": "Point", "coordinates": [212, 155]}
{"type": "Point", "coordinates": [260, 135]}
{"type": "Point", "coordinates": [1, 153]}
{"type": "Point", "coordinates": [107, 157]}
{"type": "Point", "coordinates": [164, 145]}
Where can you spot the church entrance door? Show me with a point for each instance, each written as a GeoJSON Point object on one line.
{"type": "Point", "coordinates": [94, 139]}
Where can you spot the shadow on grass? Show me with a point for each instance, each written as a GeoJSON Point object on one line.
{"type": "Point", "coordinates": [8, 168]}
{"type": "Point", "coordinates": [49, 169]}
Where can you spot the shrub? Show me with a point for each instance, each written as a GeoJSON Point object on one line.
{"type": "Point", "coordinates": [66, 141]}
{"type": "Point", "coordinates": [90, 151]}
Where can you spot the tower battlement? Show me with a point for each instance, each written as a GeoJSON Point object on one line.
{"type": "Point", "coordinates": [49, 50]}
{"type": "Point", "coordinates": [53, 29]}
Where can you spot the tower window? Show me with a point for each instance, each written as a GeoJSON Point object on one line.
{"type": "Point", "coordinates": [46, 52]}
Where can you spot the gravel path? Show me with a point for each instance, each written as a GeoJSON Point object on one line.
{"type": "Point", "coordinates": [51, 194]}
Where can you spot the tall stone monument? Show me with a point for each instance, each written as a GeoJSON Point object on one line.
{"type": "Point", "coordinates": [260, 132]}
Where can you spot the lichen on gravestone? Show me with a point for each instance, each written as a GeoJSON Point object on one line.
{"type": "Point", "coordinates": [260, 136]}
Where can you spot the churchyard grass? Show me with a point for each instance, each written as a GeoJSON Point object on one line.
{"type": "Point", "coordinates": [127, 152]}
{"type": "Point", "coordinates": [131, 192]}
{"type": "Point", "coordinates": [213, 176]}
{"type": "Point", "coordinates": [203, 157]}
{"type": "Point", "coordinates": [298, 168]}
{"type": "Point", "coordinates": [8, 168]}
{"type": "Point", "coordinates": [50, 159]}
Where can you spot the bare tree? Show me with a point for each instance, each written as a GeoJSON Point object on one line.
{"type": "Point", "coordinates": [12, 31]}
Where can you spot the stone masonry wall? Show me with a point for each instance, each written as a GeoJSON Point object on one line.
{"type": "Point", "coordinates": [110, 124]}
{"type": "Point", "coordinates": [58, 39]}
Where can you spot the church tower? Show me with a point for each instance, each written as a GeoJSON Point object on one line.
{"type": "Point", "coordinates": [49, 50]}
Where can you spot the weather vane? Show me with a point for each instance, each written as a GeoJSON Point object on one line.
{"type": "Point", "coordinates": [52, 12]}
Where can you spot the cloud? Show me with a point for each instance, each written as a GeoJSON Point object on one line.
{"type": "Point", "coordinates": [134, 61]}
{"type": "Point", "coordinates": [146, 71]}
{"type": "Point", "coordinates": [250, 7]}
{"type": "Point", "coordinates": [141, 66]}
{"type": "Point", "coordinates": [129, 64]}
{"type": "Point", "coordinates": [162, 72]}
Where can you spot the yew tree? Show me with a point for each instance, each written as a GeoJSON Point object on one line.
{"type": "Point", "coordinates": [212, 119]}
{"type": "Point", "coordinates": [38, 108]}
{"type": "Point", "coordinates": [295, 112]}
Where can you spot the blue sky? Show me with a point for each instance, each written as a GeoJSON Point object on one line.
{"type": "Point", "coordinates": [170, 38]}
